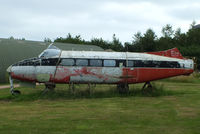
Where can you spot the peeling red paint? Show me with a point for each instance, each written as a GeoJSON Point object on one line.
{"type": "Point", "coordinates": [63, 74]}
{"type": "Point", "coordinates": [129, 75]}
{"type": "Point", "coordinates": [22, 77]}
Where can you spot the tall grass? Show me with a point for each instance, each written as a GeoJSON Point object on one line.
{"type": "Point", "coordinates": [80, 92]}
{"type": "Point", "coordinates": [155, 91]}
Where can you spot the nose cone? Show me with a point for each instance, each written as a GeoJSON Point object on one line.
{"type": "Point", "coordinates": [9, 69]}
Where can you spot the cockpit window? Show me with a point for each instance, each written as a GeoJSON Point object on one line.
{"type": "Point", "coordinates": [28, 62]}
{"type": "Point", "coordinates": [50, 52]}
{"type": "Point", "coordinates": [49, 62]}
{"type": "Point", "coordinates": [44, 54]}
{"type": "Point", "coordinates": [51, 46]}
{"type": "Point", "coordinates": [38, 62]}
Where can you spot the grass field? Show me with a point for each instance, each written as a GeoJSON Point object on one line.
{"type": "Point", "coordinates": [173, 108]}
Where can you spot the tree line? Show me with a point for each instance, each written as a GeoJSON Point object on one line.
{"type": "Point", "coordinates": [188, 43]}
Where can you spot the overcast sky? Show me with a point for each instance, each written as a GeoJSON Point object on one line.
{"type": "Point", "coordinates": [37, 19]}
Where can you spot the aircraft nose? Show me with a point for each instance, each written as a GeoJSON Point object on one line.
{"type": "Point", "coordinates": [9, 69]}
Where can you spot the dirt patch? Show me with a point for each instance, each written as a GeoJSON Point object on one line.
{"type": "Point", "coordinates": [8, 86]}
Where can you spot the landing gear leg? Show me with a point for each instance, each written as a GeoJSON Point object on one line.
{"type": "Point", "coordinates": [13, 92]}
{"type": "Point", "coordinates": [49, 87]}
{"type": "Point", "coordinates": [91, 88]}
{"type": "Point", "coordinates": [123, 88]}
{"type": "Point", "coordinates": [149, 88]}
{"type": "Point", "coordinates": [71, 88]}
{"type": "Point", "coordinates": [148, 84]}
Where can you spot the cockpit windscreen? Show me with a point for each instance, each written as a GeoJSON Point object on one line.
{"type": "Point", "coordinates": [51, 51]}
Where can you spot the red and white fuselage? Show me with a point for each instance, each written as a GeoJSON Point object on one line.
{"type": "Point", "coordinates": [100, 67]}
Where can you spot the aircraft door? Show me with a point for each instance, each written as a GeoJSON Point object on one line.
{"type": "Point", "coordinates": [130, 73]}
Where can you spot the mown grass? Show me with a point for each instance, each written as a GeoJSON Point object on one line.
{"type": "Point", "coordinates": [171, 108]}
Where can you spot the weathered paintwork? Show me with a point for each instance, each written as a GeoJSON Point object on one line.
{"type": "Point", "coordinates": [174, 52]}
{"type": "Point", "coordinates": [45, 73]}
{"type": "Point", "coordinates": [95, 74]}
{"type": "Point", "coordinates": [24, 73]}
{"type": "Point", "coordinates": [87, 74]}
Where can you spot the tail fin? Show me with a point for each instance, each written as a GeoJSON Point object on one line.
{"type": "Point", "coordinates": [174, 53]}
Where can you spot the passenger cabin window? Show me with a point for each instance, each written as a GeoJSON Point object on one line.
{"type": "Point", "coordinates": [138, 63]}
{"type": "Point", "coordinates": [96, 63]}
{"type": "Point", "coordinates": [67, 62]}
{"type": "Point", "coordinates": [120, 63]}
{"type": "Point", "coordinates": [164, 64]}
{"type": "Point", "coordinates": [81, 62]}
{"type": "Point", "coordinates": [148, 63]}
{"type": "Point", "coordinates": [130, 63]}
{"type": "Point", "coordinates": [109, 63]}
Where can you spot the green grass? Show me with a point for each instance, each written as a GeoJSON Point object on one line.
{"type": "Point", "coordinates": [172, 108]}
{"type": "Point", "coordinates": [193, 78]}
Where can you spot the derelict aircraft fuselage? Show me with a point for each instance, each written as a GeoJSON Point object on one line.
{"type": "Point", "coordinates": [56, 66]}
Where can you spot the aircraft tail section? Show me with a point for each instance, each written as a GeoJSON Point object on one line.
{"type": "Point", "coordinates": [173, 53]}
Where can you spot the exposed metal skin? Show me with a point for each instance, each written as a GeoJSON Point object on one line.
{"type": "Point", "coordinates": [111, 75]}
{"type": "Point", "coordinates": [88, 75]}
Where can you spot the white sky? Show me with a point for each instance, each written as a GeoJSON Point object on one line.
{"type": "Point", "coordinates": [37, 19]}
